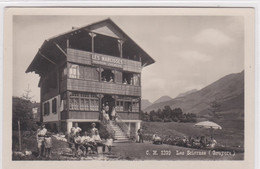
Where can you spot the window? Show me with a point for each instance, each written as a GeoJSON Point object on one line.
{"type": "Point", "coordinates": [54, 106]}
{"type": "Point", "coordinates": [119, 106]}
{"type": "Point", "coordinates": [131, 78]}
{"type": "Point", "coordinates": [74, 71]}
{"type": "Point", "coordinates": [107, 75]}
{"type": "Point", "coordinates": [127, 104]}
{"type": "Point", "coordinates": [46, 109]}
{"type": "Point", "coordinates": [135, 107]}
{"type": "Point", "coordinates": [136, 79]}
{"type": "Point", "coordinates": [84, 102]}
{"type": "Point", "coordinates": [83, 72]}
{"type": "Point", "coordinates": [63, 103]}
{"type": "Point", "coordinates": [127, 107]}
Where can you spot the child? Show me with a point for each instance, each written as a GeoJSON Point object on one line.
{"type": "Point", "coordinates": [48, 145]}
{"type": "Point", "coordinates": [109, 143]}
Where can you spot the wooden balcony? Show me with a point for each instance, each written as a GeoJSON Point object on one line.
{"type": "Point", "coordinates": [79, 115]}
{"type": "Point", "coordinates": [100, 87]}
{"type": "Point", "coordinates": [94, 115]}
{"type": "Point", "coordinates": [89, 58]}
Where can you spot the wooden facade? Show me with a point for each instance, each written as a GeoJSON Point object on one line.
{"type": "Point", "coordinates": [84, 69]}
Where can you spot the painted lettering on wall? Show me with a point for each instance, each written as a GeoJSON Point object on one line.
{"type": "Point", "coordinates": [107, 61]}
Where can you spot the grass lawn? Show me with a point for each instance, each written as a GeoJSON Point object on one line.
{"type": "Point", "coordinates": [230, 135]}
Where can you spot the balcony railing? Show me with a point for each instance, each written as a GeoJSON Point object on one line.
{"type": "Point", "coordinates": [100, 87]}
{"type": "Point", "coordinates": [79, 115]}
{"type": "Point", "coordinates": [95, 115]}
{"type": "Point", "coordinates": [89, 58]}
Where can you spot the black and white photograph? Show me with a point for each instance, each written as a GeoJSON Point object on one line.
{"type": "Point", "coordinates": [137, 87]}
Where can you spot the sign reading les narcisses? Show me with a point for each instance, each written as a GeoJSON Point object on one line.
{"type": "Point", "coordinates": [107, 61]}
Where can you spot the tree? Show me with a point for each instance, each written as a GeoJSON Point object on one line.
{"type": "Point", "coordinates": [26, 95]}
{"type": "Point", "coordinates": [215, 108]}
{"type": "Point", "coordinates": [22, 110]}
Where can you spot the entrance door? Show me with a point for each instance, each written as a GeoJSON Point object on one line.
{"type": "Point", "coordinates": [108, 100]}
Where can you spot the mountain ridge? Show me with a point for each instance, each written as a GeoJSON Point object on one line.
{"type": "Point", "coordinates": [225, 89]}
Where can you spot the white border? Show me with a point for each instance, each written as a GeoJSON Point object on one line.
{"type": "Point", "coordinates": [187, 3]}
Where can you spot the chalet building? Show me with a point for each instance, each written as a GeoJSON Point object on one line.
{"type": "Point", "coordinates": [86, 68]}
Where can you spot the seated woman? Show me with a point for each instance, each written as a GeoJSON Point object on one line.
{"type": "Point", "coordinates": [156, 139]}
{"type": "Point", "coordinates": [213, 143]}
{"type": "Point", "coordinates": [87, 142]}
{"type": "Point", "coordinates": [98, 141]}
{"type": "Point", "coordinates": [78, 145]}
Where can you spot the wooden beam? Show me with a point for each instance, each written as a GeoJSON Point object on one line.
{"type": "Point", "coordinates": [60, 49]}
{"type": "Point", "coordinates": [46, 58]}
{"type": "Point", "coordinates": [121, 47]}
{"type": "Point", "coordinates": [92, 41]}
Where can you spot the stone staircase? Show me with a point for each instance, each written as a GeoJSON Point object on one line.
{"type": "Point", "coordinates": [120, 136]}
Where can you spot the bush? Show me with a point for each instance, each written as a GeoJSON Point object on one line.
{"type": "Point", "coordinates": [104, 133]}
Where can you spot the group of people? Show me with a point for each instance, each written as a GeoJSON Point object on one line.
{"type": "Point", "coordinates": [44, 142]}
{"type": "Point", "coordinates": [88, 142]}
{"type": "Point", "coordinates": [104, 79]}
{"type": "Point", "coordinates": [107, 115]}
{"type": "Point", "coordinates": [156, 139]}
{"type": "Point", "coordinates": [198, 142]}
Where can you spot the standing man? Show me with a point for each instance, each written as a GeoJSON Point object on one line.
{"type": "Point", "coordinates": [41, 132]}
{"type": "Point", "coordinates": [77, 129]}
{"type": "Point", "coordinates": [140, 134]}
{"type": "Point", "coordinates": [107, 110]}
{"type": "Point", "coordinates": [71, 142]}
{"type": "Point", "coordinates": [93, 130]}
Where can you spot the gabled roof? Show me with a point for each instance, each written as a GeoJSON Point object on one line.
{"type": "Point", "coordinates": [105, 25]}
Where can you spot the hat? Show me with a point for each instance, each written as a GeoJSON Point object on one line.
{"type": "Point", "coordinates": [93, 124]}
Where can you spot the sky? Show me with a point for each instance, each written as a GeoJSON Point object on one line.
{"type": "Point", "coordinates": [191, 52]}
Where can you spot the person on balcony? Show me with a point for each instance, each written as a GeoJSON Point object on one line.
{"type": "Point", "coordinates": [125, 81]}
{"type": "Point", "coordinates": [107, 108]}
{"type": "Point", "coordinates": [111, 79]}
{"type": "Point", "coordinates": [104, 79]}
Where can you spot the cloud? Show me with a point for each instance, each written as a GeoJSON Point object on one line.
{"type": "Point", "coordinates": [196, 56]}
{"type": "Point", "coordinates": [212, 37]}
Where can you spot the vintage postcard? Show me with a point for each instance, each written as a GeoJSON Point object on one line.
{"type": "Point", "coordinates": [99, 87]}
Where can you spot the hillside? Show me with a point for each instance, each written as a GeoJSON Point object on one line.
{"type": "Point", "coordinates": [228, 91]}
{"type": "Point", "coordinates": [187, 93]}
{"type": "Point", "coordinates": [162, 99]}
{"type": "Point", "coordinates": [145, 103]}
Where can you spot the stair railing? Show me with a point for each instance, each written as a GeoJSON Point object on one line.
{"type": "Point", "coordinates": [122, 125]}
